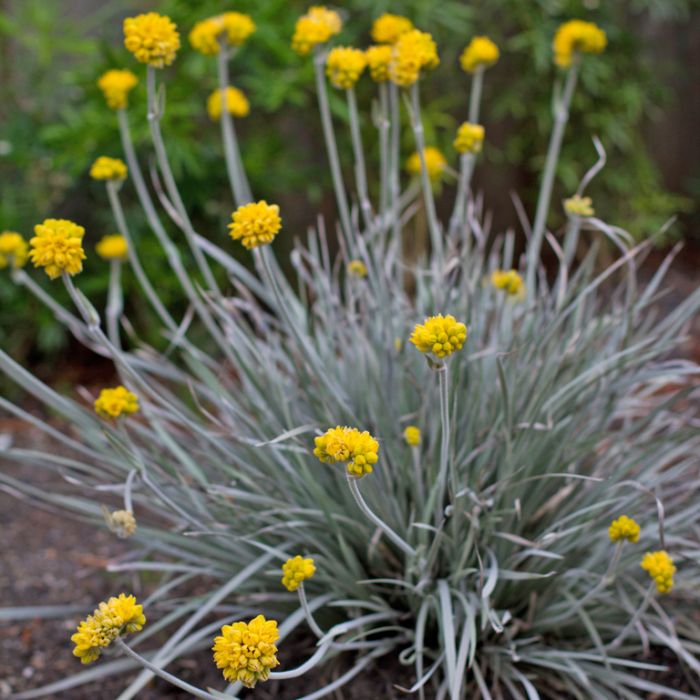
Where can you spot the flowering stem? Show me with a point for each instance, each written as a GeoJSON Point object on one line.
{"type": "Point", "coordinates": [197, 692]}
{"type": "Point", "coordinates": [395, 166]}
{"type": "Point", "coordinates": [306, 666]}
{"type": "Point", "coordinates": [360, 167]}
{"type": "Point", "coordinates": [466, 168]}
{"type": "Point", "coordinates": [307, 612]}
{"type": "Point", "coordinates": [398, 541]}
{"type": "Point", "coordinates": [633, 621]}
{"type": "Point", "coordinates": [127, 491]}
{"type": "Point", "coordinates": [154, 116]}
{"type": "Point", "coordinates": [561, 116]}
{"type": "Point", "coordinates": [331, 146]}
{"type": "Point", "coordinates": [115, 303]}
{"type": "Point", "coordinates": [475, 95]}
{"type": "Point", "coordinates": [384, 155]}
{"type": "Point", "coordinates": [444, 442]}
{"type": "Point", "coordinates": [234, 164]}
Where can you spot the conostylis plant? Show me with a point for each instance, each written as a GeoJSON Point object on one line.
{"type": "Point", "coordinates": [457, 461]}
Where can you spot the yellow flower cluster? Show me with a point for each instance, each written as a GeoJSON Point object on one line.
{"type": "Point", "coordinates": [356, 268]}
{"type": "Point", "coordinates": [387, 28]}
{"type": "Point", "coordinates": [624, 528]}
{"type": "Point", "coordinates": [659, 566]}
{"type": "Point", "coordinates": [577, 36]}
{"type": "Point", "coordinates": [246, 651]}
{"type": "Point", "coordinates": [57, 246]}
{"type": "Point", "coordinates": [255, 224]}
{"type": "Point", "coordinates": [114, 247]}
{"type": "Point", "coordinates": [343, 444]}
{"type": "Point", "coordinates": [344, 66]}
{"type": "Point", "coordinates": [206, 35]}
{"type": "Point", "coordinates": [116, 86]}
{"type": "Point", "coordinates": [122, 523]}
{"type": "Point", "coordinates": [106, 168]}
{"type": "Point", "coordinates": [470, 138]}
{"type": "Point", "coordinates": [13, 250]}
{"type": "Point", "coordinates": [295, 571]}
{"type": "Point", "coordinates": [439, 335]}
{"type": "Point", "coordinates": [579, 206]}
{"type": "Point", "coordinates": [112, 403]}
{"type": "Point", "coordinates": [378, 59]}
{"type": "Point", "coordinates": [237, 103]}
{"type": "Point", "coordinates": [152, 38]}
{"type": "Point", "coordinates": [316, 27]}
{"type": "Point", "coordinates": [510, 282]}
{"type": "Point", "coordinates": [413, 52]}
{"type": "Point", "coordinates": [435, 163]}
{"type": "Point", "coordinates": [412, 435]}
{"type": "Point", "coordinates": [481, 52]}
{"type": "Point", "coordinates": [110, 620]}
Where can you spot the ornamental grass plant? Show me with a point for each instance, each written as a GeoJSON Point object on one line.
{"type": "Point", "coordinates": [452, 459]}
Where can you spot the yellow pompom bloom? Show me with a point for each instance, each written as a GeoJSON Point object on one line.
{"type": "Point", "coordinates": [110, 620]}
{"type": "Point", "coordinates": [237, 103]}
{"type": "Point", "coordinates": [343, 444]}
{"type": "Point", "coordinates": [412, 435]}
{"type": "Point", "coordinates": [152, 38]}
{"type": "Point", "coordinates": [57, 246]}
{"type": "Point", "coordinates": [234, 27]}
{"type": "Point", "coordinates": [112, 403]}
{"type": "Point", "coordinates": [659, 566]}
{"type": "Point", "coordinates": [378, 59]}
{"type": "Point", "coordinates": [356, 268]}
{"type": "Point", "coordinates": [296, 571]}
{"type": "Point", "coordinates": [246, 651]}
{"type": "Point", "coordinates": [255, 224]}
{"type": "Point", "coordinates": [413, 52]}
{"type": "Point", "coordinates": [344, 66]}
{"type": "Point", "coordinates": [579, 206]}
{"type": "Point", "coordinates": [387, 28]}
{"type": "Point", "coordinates": [624, 528]}
{"type": "Point", "coordinates": [481, 52]}
{"type": "Point", "coordinates": [316, 27]}
{"type": "Point", "coordinates": [238, 27]}
{"type": "Point", "coordinates": [577, 36]}
{"type": "Point", "coordinates": [435, 163]}
{"type": "Point", "coordinates": [439, 335]}
{"type": "Point", "coordinates": [105, 168]}
{"type": "Point", "coordinates": [510, 282]}
{"type": "Point", "coordinates": [114, 247]}
{"type": "Point", "coordinates": [116, 86]}
{"type": "Point", "coordinates": [470, 138]}
{"type": "Point", "coordinates": [13, 250]}
{"type": "Point", "coordinates": [121, 522]}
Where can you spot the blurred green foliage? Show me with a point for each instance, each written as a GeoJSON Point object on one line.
{"type": "Point", "coordinates": [54, 121]}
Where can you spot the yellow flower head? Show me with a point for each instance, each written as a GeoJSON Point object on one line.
{"type": "Point", "coordinates": [624, 528]}
{"type": "Point", "coordinates": [255, 224]}
{"type": "Point", "coordinates": [510, 282]}
{"type": "Point", "coordinates": [112, 403]}
{"type": "Point", "coordinates": [344, 66]}
{"type": "Point", "coordinates": [378, 59]}
{"type": "Point", "coordinates": [114, 247]}
{"type": "Point", "coordinates": [110, 620]}
{"type": "Point", "coordinates": [116, 86]}
{"type": "Point", "coordinates": [388, 28]}
{"type": "Point", "coordinates": [470, 138]}
{"type": "Point", "coordinates": [659, 566]}
{"type": "Point", "coordinates": [412, 435]}
{"type": "Point", "coordinates": [13, 250]}
{"type": "Point", "coordinates": [577, 36]}
{"type": "Point", "coordinates": [480, 53]}
{"type": "Point", "coordinates": [57, 246]}
{"type": "Point", "coordinates": [439, 335]}
{"type": "Point", "coordinates": [435, 163]}
{"type": "Point", "coordinates": [237, 103]}
{"type": "Point", "coordinates": [316, 27]}
{"type": "Point", "coordinates": [121, 522]}
{"type": "Point", "coordinates": [342, 444]}
{"type": "Point", "coordinates": [246, 651]}
{"type": "Point", "coordinates": [356, 268]}
{"type": "Point", "coordinates": [234, 27]}
{"type": "Point", "coordinates": [579, 206]}
{"type": "Point", "coordinates": [413, 52]}
{"type": "Point", "coordinates": [105, 168]}
{"type": "Point", "coordinates": [152, 38]}
{"type": "Point", "coordinates": [296, 571]}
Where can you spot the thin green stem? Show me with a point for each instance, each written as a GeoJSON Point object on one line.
{"type": "Point", "coordinates": [475, 95]}
{"type": "Point", "coordinates": [313, 625]}
{"type": "Point", "coordinates": [445, 439]}
{"type": "Point", "coordinates": [384, 127]}
{"type": "Point", "coordinates": [115, 303]}
{"type": "Point", "coordinates": [360, 167]}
